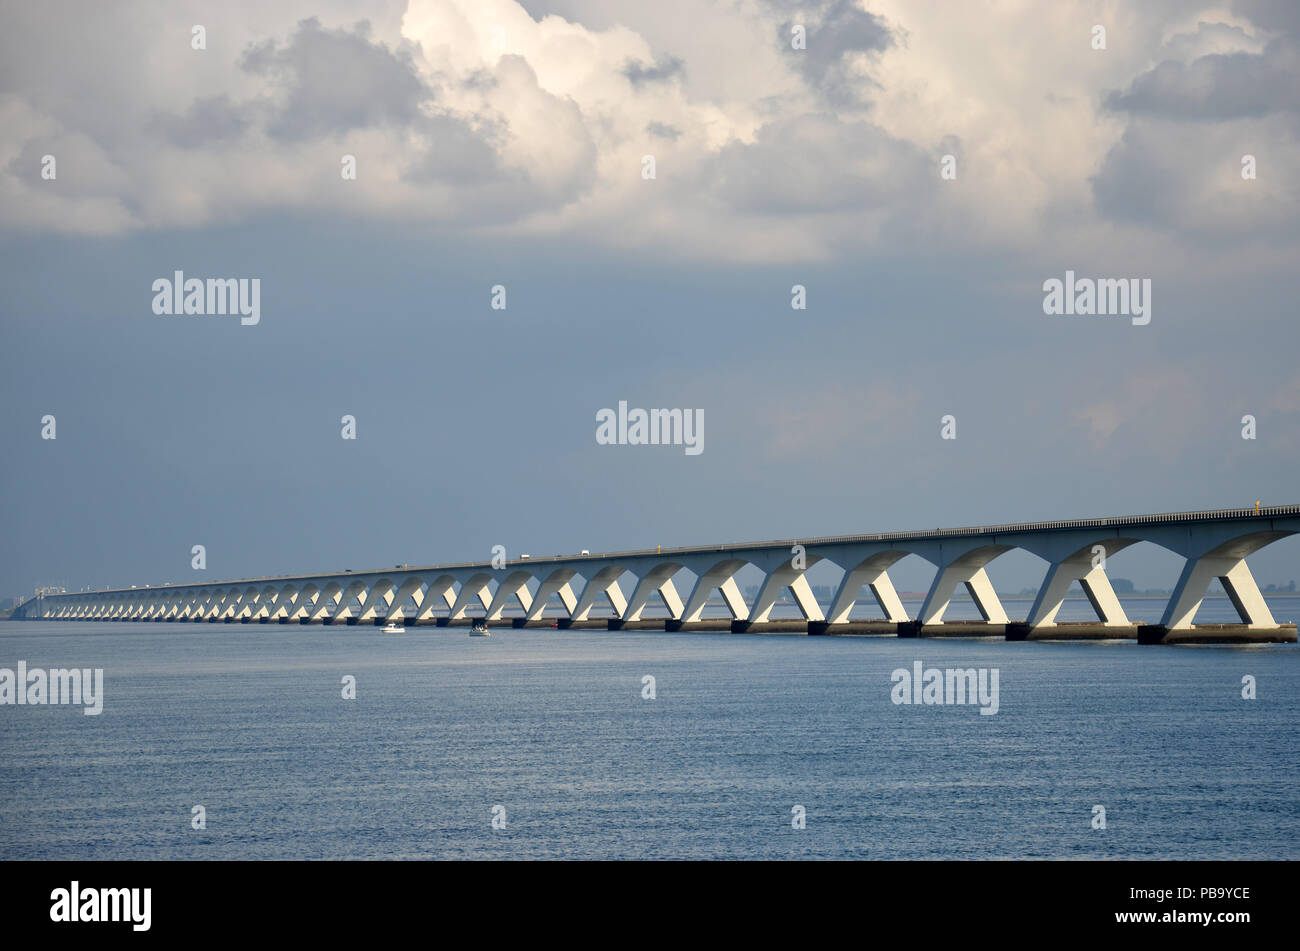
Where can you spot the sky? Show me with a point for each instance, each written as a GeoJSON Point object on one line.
{"type": "Point", "coordinates": [920, 169]}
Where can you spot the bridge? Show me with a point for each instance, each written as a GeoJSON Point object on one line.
{"type": "Point", "coordinates": [1214, 543]}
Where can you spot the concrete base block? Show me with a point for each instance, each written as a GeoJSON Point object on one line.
{"type": "Point", "coordinates": [618, 624]}
{"type": "Point", "coordinates": [704, 624]}
{"type": "Point", "coordinates": [1071, 631]}
{"type": "Point", "coordinates": [1217, 634]}
{"type": "Point", "coordinates": [769, 627]}
{"type": "Point", "coordinates": [961, 629]}
{"type": "Point", "coordinates": [881, 627]}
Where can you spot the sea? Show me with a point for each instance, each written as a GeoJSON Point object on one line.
{"type": "Point", "coordinates": [269, 741]}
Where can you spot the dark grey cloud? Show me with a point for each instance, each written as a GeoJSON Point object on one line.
{"type": "Point", "coordinates": [662, 70]}
{"type": "Point", "coordinates": [459, 154]}
{"type": "Point", "coordinates": [664, 131]}
{"type": "Point", "coordinates": [1134, 185]}
{"type": "Point", "coordinates": [837, 31]}
{"type": "Point", "coordinates": [1217, 87]}
{"type": "Point", "coordinates": [1282, 16]}
{"type": "Point", "coordinates": [337, 80]}
{"type": "Point", "coordinates": [208, 120]}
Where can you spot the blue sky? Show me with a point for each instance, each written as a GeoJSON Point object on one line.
{"type": "Point", "coordinates": [515, 158]}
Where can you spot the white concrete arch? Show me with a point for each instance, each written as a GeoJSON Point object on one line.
{"type": "Point", "coordinates": [720, 576]}
{"type": "Point", "coordinates": [477, 587]}
{"type": "Point", "coordinates": [220, 601]}
{"type": "Point", "coordinates": [302, 602]}
{"type": "Point", "coordinates": [349, 601]}
{"type": "Point", "coordinates": [604, 582]}
{"type": "Point", "coordinates": [261, 606]}
{"type": "Point", "coordinates": [411, 589]}
{"type": "Point", "coordinates": [241, 604]}
{"type": "Point", "coordinates": [873, 572]}
{"type": "Point", "coordinates": [331, 593]}
{"type": "Point", "coordinates": [1086, 564]}
{"type": "Point", "coordinates": [284, 597]}
{"type": "Point", "coordinates": [378, 598]}
{"type": "Point", "coordinates": [513, 585]}
{"type": "Point", "coordinates": [438, 593]}
{"type": "Point", "coordinates": [1227, 562]}
{"type": "Point", "coordinates": [656, 580]}
{"type": "Point", "coordinates": [559, 583]}
{"type": "Point", "coordinates": [964, 564]}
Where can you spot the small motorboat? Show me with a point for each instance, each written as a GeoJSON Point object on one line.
{"type": "Point", "coordinates": [393, 627]}
{"type": "Point", "coordinates": [479, 628]}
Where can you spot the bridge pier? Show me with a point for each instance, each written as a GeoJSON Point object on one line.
{"type": "Point", "coordinates": [1070, 631]}
{"type": "Point", "coordinates": [967, 569]}
{"type": "Point", "coordinates": [585, 624]}
{"type": "Point", "coordinates": [1216, 634]}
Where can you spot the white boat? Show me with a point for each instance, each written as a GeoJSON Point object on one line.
{"type": "Point", "coordinates": [479, 629]}
{"type": "Point", "coordinates": [393, 627]}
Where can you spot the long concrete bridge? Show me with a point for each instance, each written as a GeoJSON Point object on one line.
{"type": "Point", "coordinates": [1215, 544]}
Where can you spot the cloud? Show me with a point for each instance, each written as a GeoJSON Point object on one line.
{"type": "Point", "coordinates": [208, 120]}
{"type": "Point", "coordinates": [334, 80]}
{"type": "Point", "coordinates": [837, 33]}
{"type": "Point", "coordinates": [662, 70]}
{"type": "Point", "coordinates": [496, 118]}
{"type": "Point", "coordinates": [1216, 87]}
{"type": "Point", "coordinates": [817, 163]}
{"type": "Point", "coordinates": [663, 130]}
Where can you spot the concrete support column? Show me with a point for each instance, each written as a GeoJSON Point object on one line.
{"type": "Point", "coordinates": [440, 591]}
{"type": "Point", "coordinates": [249, 607]}
{"type": "Point", "coordinates": [800, 590]}
{"type": "Point", "coordinates": [408, 590]}
{"type": "Point", "coordinates": [349, 601]}
{"type": "Point", "coordinates": [321, 608]}
{"type": "Point", "coordinates": [977, 583]}
{"type": "Point", "coordinates": [303, 603]}
{"type": "Point", "coordinates": [284, 601]}
{"type": "Point", "coordinates": [604, 582]}
{"type": "Point", "coordinates": [556, 584]}
{"type": "Point", "coordinates": [722, 577]}
{"type": "Point", "coordinates": [882, 589]}
{"type": "Point", "coordinates": [1237, 581]}
{"type": "Point", "coordinates": [514, 586]}
{"type": "Point", "coordinates": [477, 588]}
{"type": "Point", "coordinates": [1095, 584]}
{"type": "Point", "coordinates": [656, 580]}
{"type": "Point", "coordinates": [381, 598]}
{"type": "Point", "coordinates": [218, 610]}
{"type": "Point", "coordinates": [262, 606]}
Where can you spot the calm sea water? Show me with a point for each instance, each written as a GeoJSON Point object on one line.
{"type": "Point", "coordinates": [249, 721]}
